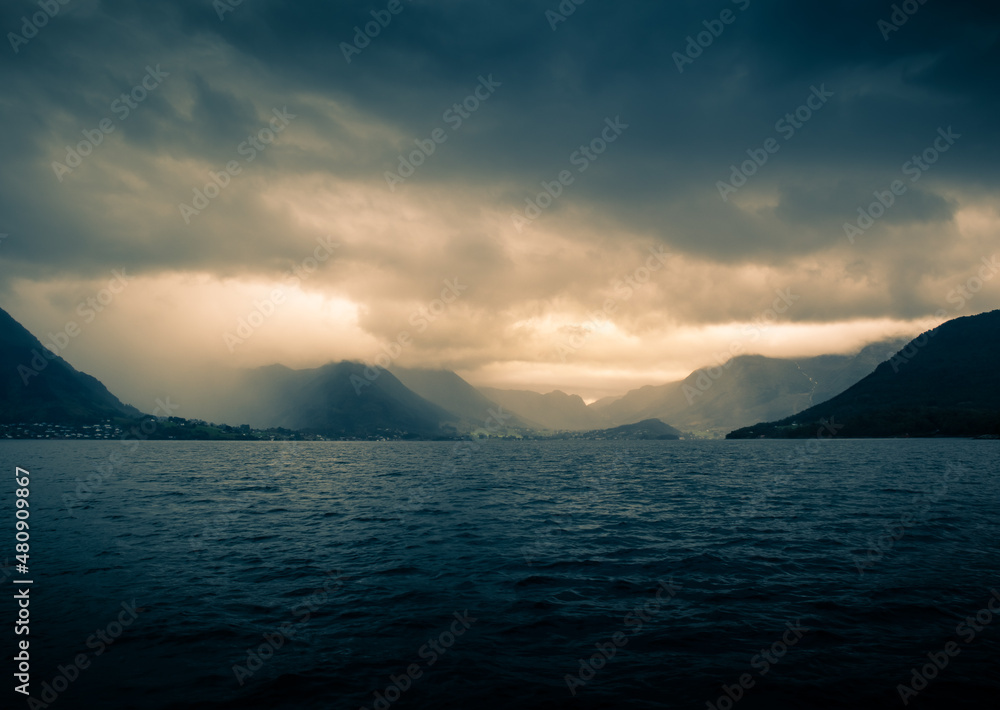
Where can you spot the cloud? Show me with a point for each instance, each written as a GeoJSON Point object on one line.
{"type": "Point", "coordinates": [654, 187]}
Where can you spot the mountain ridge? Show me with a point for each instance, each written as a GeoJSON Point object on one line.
{"type": "Point", "coordinates": [38, 385]}
{"type": "Point", "coordinates": [347, 399]}
{"type": "Point", "coordinates": [945, 382]}
{"type": "Point", "coordinates": [745, 389]}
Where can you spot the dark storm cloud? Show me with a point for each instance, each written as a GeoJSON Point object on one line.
{"type": "Point", "coordinates": [658, 183]}
{"type": "Point", "coordinates": [828, 206]}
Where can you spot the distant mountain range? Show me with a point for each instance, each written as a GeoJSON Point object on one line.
{"type": "Point", "coordinates": [945, 384]}
{"type": "Point", "coordinates": [343, 399]}
{"type": "Point", "coordinates": [473, 407]}
{"type": "Point", "coordinates": [749, 388]}
{"type": "Point", "coordinates": [556, 410]}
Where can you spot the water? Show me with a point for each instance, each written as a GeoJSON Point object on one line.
{"type": "Point", "coordinates": [340, 563]}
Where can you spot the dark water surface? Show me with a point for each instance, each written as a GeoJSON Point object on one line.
{"type": "Point", "coordinates": [489, 570]}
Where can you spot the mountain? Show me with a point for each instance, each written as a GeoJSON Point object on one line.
{"type": "Point", "coordinates": [604, 402]}
{"type": "Point", "coordinates": [748, 388]}
{"type": "Point", "coordinates": [556, 410]}
{"type": "Point", "coordinates": [946, 382]}
{"type": "Point", "coordinates": [38, 386]}
{"type": "Point", "coordinates": [340, 399]}
{"type": "Point", "coordinates": [344, 399]}
{"type": "Point", "coordinates": [646, 429]}
{"type": "Point", "coordinates": [450, 392]}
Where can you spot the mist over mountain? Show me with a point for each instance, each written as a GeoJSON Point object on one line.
{"type": "Point", "coordinates": [711, 401]}
{"type": "Point", "coordinates": [341, 399]}
{"type": "Point", "coordinates": [748, 388]}
{"type": "Point", "coordinates": [556, 410]}
{"type": "Point", "coordinates": [835, 373]}
{"type": "Point", "coordinates": [603, 402]}
{"type": "Point", "coordinates": [38, 386]}
{"type": "Point", "coordinates": [946, 382]}
{"type": "Point", "coordinates": [450, 392]}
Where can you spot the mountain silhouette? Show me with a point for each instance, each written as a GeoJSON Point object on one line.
{"type": "Point", "coordinates": [556, 410]}
{"type": "Point", "coordinates": [450, 392]}
{"type": "Point", "coordinates": [646, 429]}
{"type": "Point", "coordinates": [37, 386]}
{"type": "Point", "coordinates": [946, 382]}
{"type": "Point", "coordinates": [343, 399]}
{"type": "Point", "coordinates": [745, 389]}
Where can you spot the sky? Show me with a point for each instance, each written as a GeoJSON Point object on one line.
{"type": "Point", "coordinates": [589, 196]}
